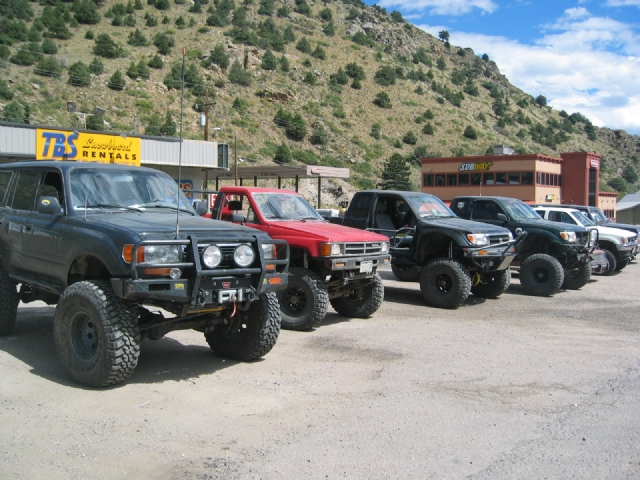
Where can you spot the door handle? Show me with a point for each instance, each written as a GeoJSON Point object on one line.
{"type": "Point", "coordinates": [28, 228]}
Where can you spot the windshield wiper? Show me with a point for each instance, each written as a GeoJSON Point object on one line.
{"type": "Point", "coordinates": [113, 205]}
{"type": "Point", "coordinates": [163, 205]}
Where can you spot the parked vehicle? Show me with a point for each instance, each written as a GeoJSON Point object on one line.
{"type": "Point", "coordinates": [597, 216]}
{"type": "Point", "coordinates": [451, 257]}
{"type": "Point", "coordinates": [104, 241]}
{"type": "Point", "coordinates": [553, 256]}
{"type": "Point", "coordinates": [329, 263]}
{"type": "Point", "coordinates": [617, 244]}
{"type": "Point", "coordinates": [599, 263]}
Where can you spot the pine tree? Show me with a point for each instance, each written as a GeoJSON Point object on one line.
{"type": "Point", "coordinates": [269, 61]}
{"type": "Point", "coordinates": [396, 174]}
{"type": "Point", "coordinates": [117, 81]}
{"type": "Point", "coordinates": [283, 154]}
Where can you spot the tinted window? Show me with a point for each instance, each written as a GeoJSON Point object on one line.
{"type": "Point", "coordinates": [5, 177]}
{"type": "Point", "coordinates": [486, 210]}
{"type": "Point", "coordinates": [440, 180]}
{"type": "Point", "coordinates": [501, 178]}
{"type": "Point", "coordinates": [514, 178]}
{"type": "Point", "coordinates": [428, 180]}
{"type": "Point", "coordinates": [488, 179]}
{"type": "Point", "coordinates": [463, 179]}
{"type": "Point", "coordinates": [475, 178]}
{"type": "Point", "coordinates": [527, 178]}
{"type": "Point", "coordinates": [23, 195]}
{"type": "Point", "coordinates": [361, 208]}
{"type": "Point", "coordinates": [452, 179]}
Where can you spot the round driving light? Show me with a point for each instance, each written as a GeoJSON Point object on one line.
{"type": "Point", "coordinates": [212, 256]}
{"type": "Point", "coordinates": [175, 273]}
{"type": "Point", "coordinates": [243, 256]}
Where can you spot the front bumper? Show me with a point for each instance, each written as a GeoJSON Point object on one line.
{"type": "Point", "coordinates": [204, 288]}
{"type": "Point", "coordinates": [365, 264]}
{"type": "Point", "coordinates": [495, 257]}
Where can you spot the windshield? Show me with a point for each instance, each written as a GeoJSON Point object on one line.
{"type": "Point", "coordinates": [285, 206]}
{"type": "Point", "coordinates": [521, 211]}
{"type": "Point", "coordinates": [428, 206]}
{"type": "Point", "coordinates": [128, 189]}
{"type": "Point", "coordinates": [598, 216]}
{"type": "Point", "coordinates": [583, 219]}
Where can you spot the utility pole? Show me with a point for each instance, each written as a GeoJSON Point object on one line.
{"type": "Point", "coordinates": [235, 155]}
{"type": "Point", "coordinates": [206, 115]}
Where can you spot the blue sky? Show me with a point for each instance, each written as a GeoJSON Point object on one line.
{"type": "Point", "coordinates": [583, 55]}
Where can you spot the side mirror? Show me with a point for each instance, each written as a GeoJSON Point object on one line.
{"type": "Point", "coordinates": [237, 218]}
{"type": "Point", "coordinates": [48, 205]}
{"type": "Point", "coordinates": [503, 217]}
{"type": "Point", "coordinates": [200, 207]}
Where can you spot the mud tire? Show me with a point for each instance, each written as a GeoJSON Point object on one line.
{"type": "Point", "coordinates": [8, 302]}
{"type": "Point", "coordinates": [613, 264]}
{"type": "Point", "coordinates": [541, 275]}
{"type": "Point", "coordinates": [361, 302]}
{"type": "Point", "coordinates": [304, 303]}
{"type": "Point", "coordinates": [96, 335]}
{"type": "Point", "coordinates": [579, 278]}
{"type": "Point", "coordinates": [256, 335]}
{"type": "Point", "coordinates": [497, 284]}
{"type": "Point", "coordinates": [445, 283]}
{"type": "Point", "coordinates": [406, 274]}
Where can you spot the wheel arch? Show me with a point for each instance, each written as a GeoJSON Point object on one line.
{"type": "Point", "coordinates": [87, 267]}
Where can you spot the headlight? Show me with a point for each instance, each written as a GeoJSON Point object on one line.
{"type": "Point", "coordinates": [243, 256]}
{"type": "Point", "coordinates": [212, 256]}
{"type": "Point", "coordinates": [161, 253]}
{"type": "Point", "coordinates": [569, 236]}
{"type": "Point", "coordinates": [624, 240]}
{"type": "Point", "coordinates": [510, 236]}
{"type": "Point", "coordinates": [330, 249]}
{"type": "Point", "coordinates": [479, 239]}
{"type": "Point", "coordinates": [269, 251]}
{"type": "Point", "coordinates": [384, 247]}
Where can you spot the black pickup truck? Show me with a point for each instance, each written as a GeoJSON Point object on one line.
{"type": "Point", "coordinates": [554, 255]}
{"type": "Point", "coordinates": [450, 256]}
{"type": "Point", "coordinates": [104, 241]}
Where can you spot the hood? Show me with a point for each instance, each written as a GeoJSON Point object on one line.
{"type": "Point", "coordinates": [466, 226]}
{"type": "Point", "coordinates": [614, 232]}
{"type": "Point", "coordinates": [548, 225]}
{"type": "Point", "coordinates": [323, 231]}
{"type": "Point", "coordinates": [623, 226]}
{"type": "Point", "coordinates": [163, 225]}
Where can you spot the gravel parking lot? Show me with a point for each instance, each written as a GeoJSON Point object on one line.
{"type": "Point", "coordinates": [520, 387]}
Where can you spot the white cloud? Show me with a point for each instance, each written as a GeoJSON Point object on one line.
{"type": "Point", "coordinates": [441, 7]}
{"type": "Point", "coordinates": [623, 3]}
{"type": "Point", "coordinates": [601, 85]}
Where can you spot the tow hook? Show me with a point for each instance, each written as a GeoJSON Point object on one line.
{"type": "Point", "coordinates": [476, 280]}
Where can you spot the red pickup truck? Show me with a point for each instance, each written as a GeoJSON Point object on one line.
{"type": "Point", "coordinates": [329, 263]}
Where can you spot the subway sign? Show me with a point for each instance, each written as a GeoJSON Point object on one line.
{"type": "Point", "coordinates": [475, 167]}
{"type": "Point", "coordinates": [87, 147]}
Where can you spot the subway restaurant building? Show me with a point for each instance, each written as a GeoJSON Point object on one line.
{"type": "Point", "coordinates": [534, 178]}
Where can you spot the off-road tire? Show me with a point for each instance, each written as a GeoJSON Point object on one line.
{"type": "Point", "coordinates": [96, 334]}
{"type": "Point", "coordinates": [255, 335]}
{"type": "Point", "coordinates": [579, 278]}
{"type": "Point", "coordinates": [361, 302]}
{"type": "Point", "coordinates": [8, 302]}
{"type": "Point", "coordinates": [445, 283]}
{"type": "Point", "coordinates": [406, 274]}
{"type": "Point", "coordinates": [613, 263]}
{"type": "Point", "coordinates": [541, 275]}
{"type": "Point", "coordinates": [304, 303]}
{"type": "Point", "coordinates": [497, 284]}
{"type": "Point", "coordinates": [621, 265]}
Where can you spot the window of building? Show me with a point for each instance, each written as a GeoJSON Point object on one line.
{"type": "Point", "coordinates": [501, 178]}
{"type": "Point", "coordinates": [527, 178]}
{"type": "Point", "coordinates": [452, 179]}
{"type": "Point", "coordinates": [440, 180]}
{"type": "Point", "coordinates": [514, 178]}
{"type": "Point", "coordinates": [476, 178]}
{"type": "Point", "coordinates": [547, 179]}
{"type": "Point", "coordinates": [489, 179]}
{"type": "Point", "coordinates": [463, 179]}
{"type": "Point", "coordinates": [428, 180]}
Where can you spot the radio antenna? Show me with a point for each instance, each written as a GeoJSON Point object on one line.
{"type": "Point", "coordinates": [184, 52]}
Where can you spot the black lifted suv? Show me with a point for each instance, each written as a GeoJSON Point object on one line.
{"type": "Point", "coordinates": [450, 256]}
{"type": "Point", "coordinates": [554, 255]}
{"type": "Point", "coordinates": [101, 241]}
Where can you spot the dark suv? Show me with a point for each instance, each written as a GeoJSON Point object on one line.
{"type": "Point", "coordinates": [554, 255]}
{"type": "Point", "coordinates": [101, 241]}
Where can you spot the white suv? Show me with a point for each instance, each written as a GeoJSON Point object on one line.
{"type": "Point", "coordinates": [617, 244]}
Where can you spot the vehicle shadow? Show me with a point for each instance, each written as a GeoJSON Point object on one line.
{"type": "Point", "coordinates": [414, 297]}
{"type": "Point", "coordinates": [161, 360]}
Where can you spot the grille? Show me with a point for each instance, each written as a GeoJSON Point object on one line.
{"type": "Point", "coordinates": [583, 237]}
{"type": "Point", "coordinates": [633, 239]}
{"type": "Point", "coordinates": [362, 248]}
{"type": "Point", "coordinates": [494, 239]}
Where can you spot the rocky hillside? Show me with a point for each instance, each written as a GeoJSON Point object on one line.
{"type": "Point", "coordinates": [329, 83]}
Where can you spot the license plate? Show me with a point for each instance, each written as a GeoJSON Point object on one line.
{"type": "Point", "coordinates": [366, 266]}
